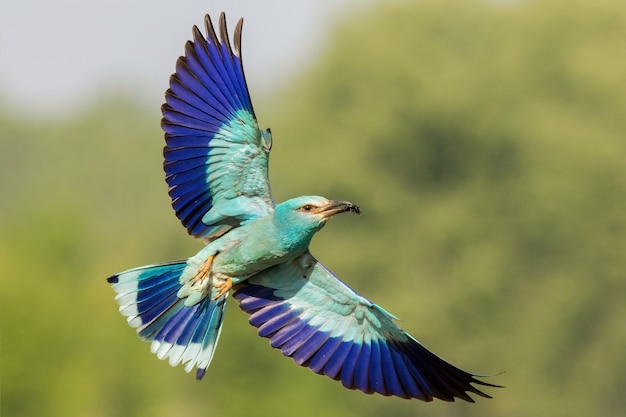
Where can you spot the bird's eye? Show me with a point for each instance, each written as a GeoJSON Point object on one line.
{"type": "Point", "coordinates": [307, 207]}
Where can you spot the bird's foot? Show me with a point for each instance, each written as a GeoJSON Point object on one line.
{"type": "Point", "coordinates": [203, 271]}
{"type": "Point", "coordinates": [223, 287]}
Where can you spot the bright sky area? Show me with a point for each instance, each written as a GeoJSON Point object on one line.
{"type": "Point", "coordinates": [58, 55]}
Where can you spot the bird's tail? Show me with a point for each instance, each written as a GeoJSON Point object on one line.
{"type": "Point", "coordinates": [185, 334]}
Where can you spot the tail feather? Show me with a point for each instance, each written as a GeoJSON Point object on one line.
{"type": "Point", "coordinates": [184, 334]}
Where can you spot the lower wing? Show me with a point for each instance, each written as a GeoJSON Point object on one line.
{"type": "Point", "coordinates": [318, 321]}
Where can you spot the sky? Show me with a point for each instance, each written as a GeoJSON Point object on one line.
{"type": "Point", "coordinates": [56, 56]}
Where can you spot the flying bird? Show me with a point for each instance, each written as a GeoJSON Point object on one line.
{"type": "Point", "coordinates": [216, 167]}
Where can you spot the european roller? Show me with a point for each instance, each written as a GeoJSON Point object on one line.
{"type": "Point", "coordinates": [216, 167]}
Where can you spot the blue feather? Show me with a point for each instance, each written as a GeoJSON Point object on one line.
{"type": "Point", "coordinates": [336, 362]}
{"type": "Point", "coordinates": [188, 153]}
{"type": "Point", "coordinates": [310, 347]}
{"type": "Point", "coordinates": [377, 382]}
{"type": "Point", "coordinates": [177, 167]}
{"type": "Point", "coordinates": [183, 93]}
{"type": "Point", "coordinates": [147, 296]}
{"type": "Point", "coordinates": [272, 312]}
{"type": "Point", "coordinates": [191, 175]}
{"type": "Point", "coordinates": [191, 122]}
{"type": "Point", "coordinates": [256, 302]}
{"type": "Point", "coordinates": [202, 68]}
{"type": "Point", "coordinates": [324, 354]}
{"type": "Point", "coordinates": [188, 79]}
{"type": "Point", "coordinates": [175, 104]}
{"type": "Point", "coordinates": [271, 326]}
{"type": "Point", "coordinates": [350, 365]}
{"type": "Point", "coordinates": [286, 333]}
{"type": "Point", "coordinates": [390, 374]}
{"type": "Point", "coordinates": [362, 368]}
{"type": "Point", "coordinates": [298, 340]}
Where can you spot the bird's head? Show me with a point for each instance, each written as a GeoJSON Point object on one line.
{"type": "Point", "coordinates": [303, 216]}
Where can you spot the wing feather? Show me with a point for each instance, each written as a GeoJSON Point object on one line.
{"type": "Point", "coordinates": [216, 157]}
{"type": "Point", "coordinates": [318, 321]}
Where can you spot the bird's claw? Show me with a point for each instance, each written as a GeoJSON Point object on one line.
{"type": "Point", "coordinates": [223, 287]}
{"type": "Point", "coordinates": [203, 271]}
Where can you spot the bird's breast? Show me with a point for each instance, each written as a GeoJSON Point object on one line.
{"type": "Point", "coordinates": [248, 257]}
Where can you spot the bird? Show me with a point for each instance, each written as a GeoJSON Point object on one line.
{"type": "Point", "coordinates": [216, 168]}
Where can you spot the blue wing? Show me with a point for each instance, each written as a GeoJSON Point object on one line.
{"type": "Point", "coordinates": [216, 156]}
{"type": "Point", "coordinates": [314, 318]}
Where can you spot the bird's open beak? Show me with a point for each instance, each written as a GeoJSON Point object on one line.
{"type": "Point", "coordinates": [336, 206]}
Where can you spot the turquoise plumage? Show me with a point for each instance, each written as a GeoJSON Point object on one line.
{"type": "Point", "coordinates": [216, 162]}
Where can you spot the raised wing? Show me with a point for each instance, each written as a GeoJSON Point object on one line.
{"type": "Point", "coordinates": [318, 321]}
{"type": "Point", "coordinates": [215, 155]}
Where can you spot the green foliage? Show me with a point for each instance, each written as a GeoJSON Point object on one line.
{"type": "Point", "coordinates": [484, 142]}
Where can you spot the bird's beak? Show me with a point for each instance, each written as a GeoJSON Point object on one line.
{"type": "Point", "coordinates": [336, 206]}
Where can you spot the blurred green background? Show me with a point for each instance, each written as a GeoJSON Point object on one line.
{"type": "Point", "coordinates": [485, 142]}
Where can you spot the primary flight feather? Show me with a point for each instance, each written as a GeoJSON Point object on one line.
{"type": "Point", "coordinates": [216, 161]}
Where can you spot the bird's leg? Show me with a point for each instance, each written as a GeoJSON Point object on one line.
{"type": "Point", "coordinates": [223, 287]}
{"type": "Point", "coordinates": [203, 271]}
